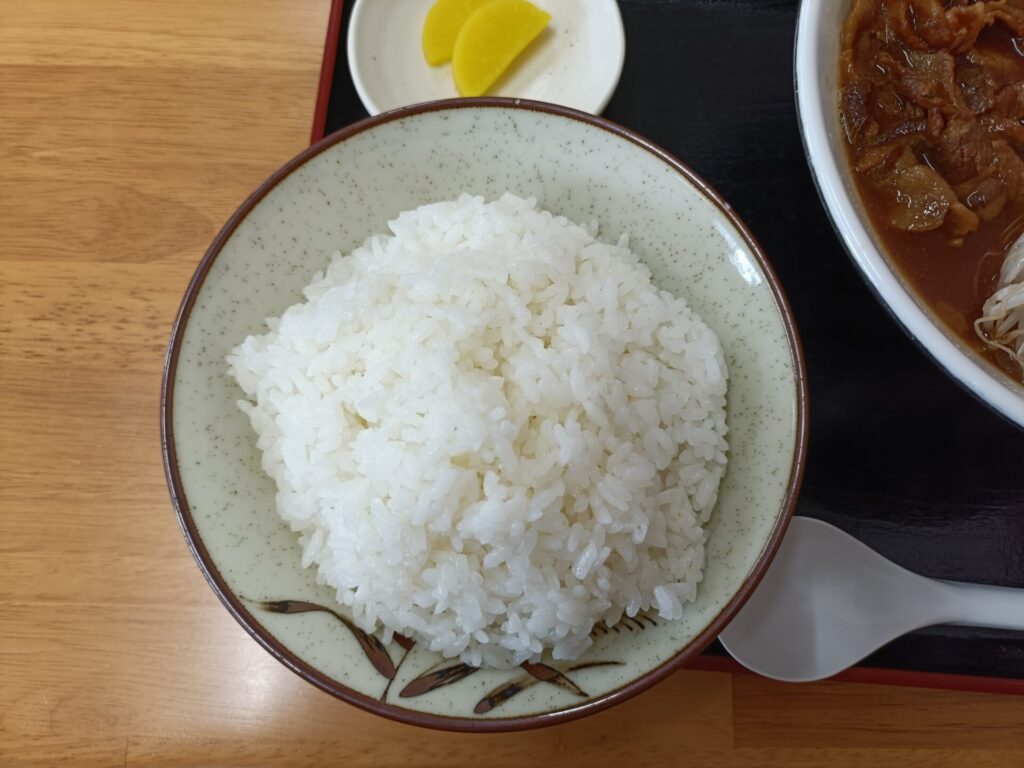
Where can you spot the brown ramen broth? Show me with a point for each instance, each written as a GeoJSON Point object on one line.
{"type": "Point", "coordinates": [932, 104]}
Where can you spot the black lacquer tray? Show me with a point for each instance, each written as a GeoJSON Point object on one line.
{"type": "Point", "coordinates": [900, 456]}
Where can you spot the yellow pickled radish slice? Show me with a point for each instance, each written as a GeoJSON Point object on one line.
{"type": "Point", "coordinates": [490, 41]}
{"type": "Point", "coordinates": [444, 20]}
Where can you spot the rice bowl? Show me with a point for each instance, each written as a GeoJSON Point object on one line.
{"type": "Point", "coordinates": [331, 198]}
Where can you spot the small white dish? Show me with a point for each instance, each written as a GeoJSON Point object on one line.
{"type": "Point", "coordinates": [576, 61]}
{"type": "Point", "coordinates": [817, 73]}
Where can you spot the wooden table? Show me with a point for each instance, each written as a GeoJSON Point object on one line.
{"type": "Point", "coordinates": [129, 130]}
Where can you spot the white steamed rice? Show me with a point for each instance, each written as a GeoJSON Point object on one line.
{"type": "Point", "coordinates": [491, 431]}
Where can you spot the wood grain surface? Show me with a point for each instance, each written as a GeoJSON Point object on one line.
{"type": "Point", "coordinates": [129, 131]}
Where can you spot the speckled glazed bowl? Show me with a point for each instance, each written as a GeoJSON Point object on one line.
{"type": "Point", "coordinates": [334, 195]}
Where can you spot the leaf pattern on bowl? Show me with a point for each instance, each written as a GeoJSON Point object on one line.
{"type": "Point", "coordinates": [627, 623]}
{"type": "Point", "coordinates": [439, 677]}
{"type": "Point", "coordinates": [371, 645]}
{"type": "Point", "coordinates": [504, 692]}
{"type": "Point", "coordinates": [547, 674]}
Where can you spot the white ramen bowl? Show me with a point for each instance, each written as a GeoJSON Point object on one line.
{"type": "Point", "coordinates": [332, 197]}
{"type": "Point", "coordinates": [817, 93]}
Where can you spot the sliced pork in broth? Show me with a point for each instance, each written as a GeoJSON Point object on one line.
{"type": "Point", "coordinates": [932, 104]}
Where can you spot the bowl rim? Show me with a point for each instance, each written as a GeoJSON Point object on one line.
{"type": "Point", "coordinates": [979, 377]}
{"type": "Point", "coordinates": [445, 722]}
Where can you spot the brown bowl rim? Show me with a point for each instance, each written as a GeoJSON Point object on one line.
{"type": "Point", "coordinates": [425, 719]}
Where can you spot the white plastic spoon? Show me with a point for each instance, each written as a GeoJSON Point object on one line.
{"type": "Point", "coordinates": [828, 601]}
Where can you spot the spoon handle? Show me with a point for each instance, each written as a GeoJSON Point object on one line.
{"type": "Point", "coordinates": [980, 605]}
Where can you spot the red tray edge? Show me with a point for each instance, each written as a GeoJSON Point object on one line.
{"type": "Point", "coordinates": [323, 95]}
{"type": "Point", "coordinates": [871, 675]}
{"type": "Point", "coordinates": [876, 676]}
